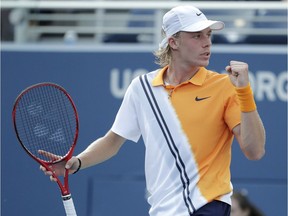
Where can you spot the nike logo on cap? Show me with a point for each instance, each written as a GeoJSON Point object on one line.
{"type": "Point", "coordinates": [199, 99]}
{"type": "Point", "coordinates": [198, 14]}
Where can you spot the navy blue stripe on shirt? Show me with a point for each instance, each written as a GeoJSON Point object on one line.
{"type": "Point", "coordinates": [171, 144]}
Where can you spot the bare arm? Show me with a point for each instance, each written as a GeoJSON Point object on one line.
{"type": "Point", "coordinates": [101, 149]}
{"type": "Point", "coordinates": [250, 134]}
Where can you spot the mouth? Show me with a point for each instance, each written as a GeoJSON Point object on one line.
{"type": "Point", "coordinates": [206, 54]}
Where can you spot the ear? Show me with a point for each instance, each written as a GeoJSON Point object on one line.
{"type": "Point", "coordinates": [173, 43]}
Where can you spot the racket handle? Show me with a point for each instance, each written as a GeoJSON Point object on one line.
{"type": "Point", "coordinates": [69, 205]}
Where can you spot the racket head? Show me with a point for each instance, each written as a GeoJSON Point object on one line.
{"type": "Point", "coordinates": [45, 118]}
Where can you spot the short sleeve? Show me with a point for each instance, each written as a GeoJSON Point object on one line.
{"type": "Point", "coordinates": [126, 121]}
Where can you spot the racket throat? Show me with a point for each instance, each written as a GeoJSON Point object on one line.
{"type": "Point", "coordinates": [65, 186]}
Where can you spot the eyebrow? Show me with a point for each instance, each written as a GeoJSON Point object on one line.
{"type": "Point", "coordinates": [210, 31]}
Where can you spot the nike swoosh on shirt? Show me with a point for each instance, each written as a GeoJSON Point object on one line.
{"type": "Point", "coordinates": [198, 14]}
{"type": "Point", "coordinates": [200, 99]}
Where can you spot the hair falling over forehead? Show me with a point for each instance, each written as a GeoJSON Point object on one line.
{"type": "Point", "coordinates": [163, 55]}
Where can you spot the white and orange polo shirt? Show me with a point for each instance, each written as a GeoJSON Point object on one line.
{"type": "Point", "coordinates": [187, 131]}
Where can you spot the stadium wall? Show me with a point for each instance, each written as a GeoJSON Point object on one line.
{"type": "Point", "coordinates": [97, 80]}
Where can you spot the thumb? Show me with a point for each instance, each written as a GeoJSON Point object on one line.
{"type": "Point", "coordinates": [70, 163]}
{"type": "Point", "coordinates": [228, 69]}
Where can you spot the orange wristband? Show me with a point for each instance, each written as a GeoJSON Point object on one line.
{"type": "Point", "coordinates": [246, 99]}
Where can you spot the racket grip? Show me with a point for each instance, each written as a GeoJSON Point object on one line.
{"type": "Point", "coordinates": [69, 205]}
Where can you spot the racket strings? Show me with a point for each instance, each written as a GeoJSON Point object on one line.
{"type": "Point", "coordinates": [45, 119]}
{"type": "Point", "coordinates": [66, 119]}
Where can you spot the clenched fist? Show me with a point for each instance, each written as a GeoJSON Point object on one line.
{"type": "Point", "coordinates": [238, 73]}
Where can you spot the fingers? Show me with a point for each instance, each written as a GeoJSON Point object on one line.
{"type": "Point", "coordinates": [239, 67]}
{"type": "Point", "coordinates": [49, 155]}
{"type": "Point", "coordinates": [231, 72]}
{"type": "Point", "coordinates": [53, 179]}
{"type": "Point", "coordinates": [228, 69]}
{"type": "Point", "coordinates": [236, 68]}
{"type": "Point", "coordinates": [59, 168]}
{"type": "Point", "coordinates": [49, 173]}
{"type": "Point", "coordinates": [238, 73]}
{"type": "Point", "coordinates": [52, 172]}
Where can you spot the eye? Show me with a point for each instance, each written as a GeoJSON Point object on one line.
{"type": "Point", "coordinates": [209, 34]}
{"type": "Point", "coordinates": [196, 36]}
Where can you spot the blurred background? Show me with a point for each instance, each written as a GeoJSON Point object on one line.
{"type": "Point", "coordinates": [94, 49]}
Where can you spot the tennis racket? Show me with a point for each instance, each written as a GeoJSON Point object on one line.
{"type": "Point", "coordinates": [46, 124]}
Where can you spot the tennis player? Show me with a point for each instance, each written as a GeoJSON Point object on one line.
{"type": "Point", "coordinates": [187, 116]}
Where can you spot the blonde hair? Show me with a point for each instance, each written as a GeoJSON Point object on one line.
{"type": "Point", "coordinates": [163, 55]}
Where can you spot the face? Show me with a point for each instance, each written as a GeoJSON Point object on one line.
{"type": "Point", "coordinates": [192, 48]}
{"type": "Point", "coordinates": [236, 209]}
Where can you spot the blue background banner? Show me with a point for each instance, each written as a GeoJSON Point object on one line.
{"type": "Point", "coordinates": [97, 82]}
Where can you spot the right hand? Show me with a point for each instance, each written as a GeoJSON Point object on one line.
{"type": "Point", "coordinates": [58, 169]}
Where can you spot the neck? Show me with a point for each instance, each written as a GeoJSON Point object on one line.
{"type": "Point", "coordinates": [175, 76]}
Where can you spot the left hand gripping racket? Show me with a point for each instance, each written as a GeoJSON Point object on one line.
{"type": "Point", "coordinates": [46, 124]}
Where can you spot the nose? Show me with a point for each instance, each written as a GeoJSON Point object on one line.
{"type": "Point", "coordinates": [207, 42]}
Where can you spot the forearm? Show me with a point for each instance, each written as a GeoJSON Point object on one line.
{"type": "Point", "coordinates": [100, 150]}
{"type": "Point", "coordinates": [252, 141]}
{"type": "Point", "coordinates": [252, 135]}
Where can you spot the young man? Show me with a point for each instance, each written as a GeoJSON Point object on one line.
{"type": "Point", "coordinates": [187, 116]}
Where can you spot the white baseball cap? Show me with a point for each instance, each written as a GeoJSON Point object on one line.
{"type": "Point", "coordinates": [186, 18]}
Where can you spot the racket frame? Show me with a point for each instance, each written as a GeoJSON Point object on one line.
{"type": "Point", "coordinates": [64, 187]}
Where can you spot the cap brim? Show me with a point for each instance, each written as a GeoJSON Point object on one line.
{"type": "Point", "coordinates": [201, 25]}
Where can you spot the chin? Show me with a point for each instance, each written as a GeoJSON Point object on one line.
{"type": "Point", "coordinates": [204, 64]}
